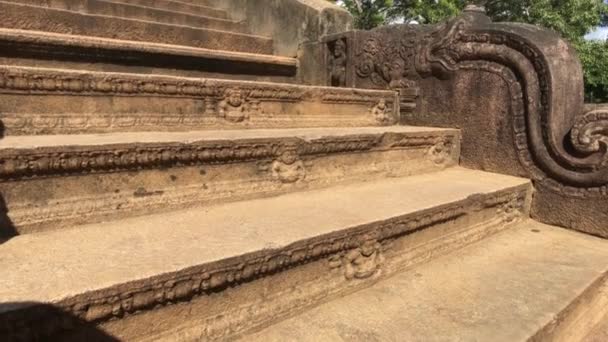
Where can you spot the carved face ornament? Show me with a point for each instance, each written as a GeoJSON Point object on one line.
{"type": "Point", "coordinates": [235, 98]}
{"type": "Point", "coordinates": [339, 48]}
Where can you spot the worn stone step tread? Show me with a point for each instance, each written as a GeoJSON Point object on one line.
{"type": "Point", "coordinates": [40, 141]}
{"type": "Point", "coordinates": [182, 5]}
{"type": "Point", "coordinates": [52, 266]}
{"type": "Point", "coordinates": [79, 41]}
{"type": "Point", "coordinates": [211, 18]}
{"type": "Point", "coordinates": [505, 288]}
{"type": "Point", "coordinates": [41, 19]}
{"type": "Point", "coordinates": [198, 10]}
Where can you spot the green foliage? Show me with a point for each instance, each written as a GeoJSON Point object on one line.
{"type": "Point", "coordinates": [368, 13]}
{"type": "Point", "coordinates": [571, 18]}
{"type": "Point", "coordinates": [425, 11]}
{"type": "Point", "coordinates": [594, 57]}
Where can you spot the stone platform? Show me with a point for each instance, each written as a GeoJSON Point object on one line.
{"type": "Point", "coordinates": [533, 282]}
{"type": "Point", "coordinates": [210, 170]}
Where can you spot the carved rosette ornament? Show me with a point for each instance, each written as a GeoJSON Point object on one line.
{"type": "Point", "coordinates": [563, 151]}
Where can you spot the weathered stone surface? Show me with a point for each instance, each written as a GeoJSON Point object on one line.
{"type": "Point", "coordinates": [289, 22]}
{"type": "Point", "coordinates": [244, 264]}
{"type": "Point", "coordinates": [54, 181]}
{"type": "Point", "coordinates": [515, 90]}
{"type": "Point", "coordinates": [510, 287]}
{"type": "Point", "coordinates": [52, 50]}
{"type": "Point", "coordinates": [26, 17]}
{"type": "Point", "coordinates": [62, 101]}
{"type": "Point", "coordinates": [197, 17]}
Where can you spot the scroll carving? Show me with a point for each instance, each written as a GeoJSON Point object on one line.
{"type": "Point", "coordinates": [577, 164]}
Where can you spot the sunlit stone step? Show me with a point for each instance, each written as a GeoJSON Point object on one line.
{"type": "Point", "coordinates": [204, 274]}
{"type": "Point", "coordinates": [195, 7]}
{"type": "Point", "coordinates": [531, 283]}
{"type": "Point", "coordinates": [59, 101]}
{"type": "Point", "coordinates": [208, 18]}
{"type": "Point", "coordinates": [50, 182]}
{"type": "Point", "coordinates": [37, 18]}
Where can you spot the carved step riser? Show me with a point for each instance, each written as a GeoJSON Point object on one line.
{"type": "Point", "coordinates": [44, 101]}
{"type": "Point", "coordinates": [217, 301]}
{"type": "Point", "coordinates": [213, 19]}
{"type": "Point", "coordinates": [36, 18]}
{"type": "Point", "coordinates": [51, 188]}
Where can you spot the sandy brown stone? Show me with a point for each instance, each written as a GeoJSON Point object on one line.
{"type": "Point", "coordinates": [16, 16]}
{"type": "Point", "coordinates": [506, 288]}
{"type": "Point", "coordinates": [179, 256]}
{"type": "Point", "coordinates": [50, 182]}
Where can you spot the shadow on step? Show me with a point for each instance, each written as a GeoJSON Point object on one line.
{"type": "Point", "coordinates": [28, 321]}
{"type": "Point", "coordinates": [148, 59]}
{"type": "Point", "coordinates": [7, 228]}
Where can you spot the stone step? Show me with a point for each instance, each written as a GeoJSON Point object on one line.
{"type": "Point", "coordinates": [203, 274]}
{"type": "Point", "coordinates": [198, 8]}
{"type": "Point", "coordinates": [37, 18]}
{"type": "Point", "coordinates": [530, 283]}
{"type": "Point", "coordinates": [211, 18]}
{"type": "Point", "coordinates": [74, 52]}
{"type": "Point", "coordinates": [58, 101]}
{"type": "Point", "coordinates": [50, 182]}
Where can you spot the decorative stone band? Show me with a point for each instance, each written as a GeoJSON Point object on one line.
{"type": "Point", "coordinates": [197, 102]}
{"type": "Point", "coordinates": [25, 163]}
{"type": "Point", "coordinates": [373, 242]}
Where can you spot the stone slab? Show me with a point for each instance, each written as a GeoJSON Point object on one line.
{"type": "Point", "coordinates": [67, 101]}
{"type": "Point", "coordinates": [27, 17]}
{"type": "Point", "coordinates": [142, 254]}
{"type": "Point", "coordinates": [306, 134]}
{"type": "Point", "coordinates": [48, 267]}
{"type": "Point", "coordinates": [208, 18]}
{"type": "Point", "coordinates": [45, 49]}
{"type": "Point", "coordinates": [48, 182]}
{"type": "Point", "coordinates": [201, 8]}
{"type": "Point", "coordinates": [506, 288]}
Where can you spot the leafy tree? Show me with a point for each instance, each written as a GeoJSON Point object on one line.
{"type": "Point", "coordinates": [368, 13]}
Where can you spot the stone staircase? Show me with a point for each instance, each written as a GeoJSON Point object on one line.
{"type": "Point", "coordinates": [167, 175]}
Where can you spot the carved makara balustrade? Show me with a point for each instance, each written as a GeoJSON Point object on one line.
{"type": "Point", "coordinates": [516, 91]}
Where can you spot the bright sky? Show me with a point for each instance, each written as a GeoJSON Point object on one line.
{"type": "Point", "coordinates": [601, 33]}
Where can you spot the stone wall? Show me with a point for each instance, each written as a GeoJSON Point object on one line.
{"type": "Point", "coordinates": [289, 22]}
{"type": "Point", "coordinates": [515, 91]}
